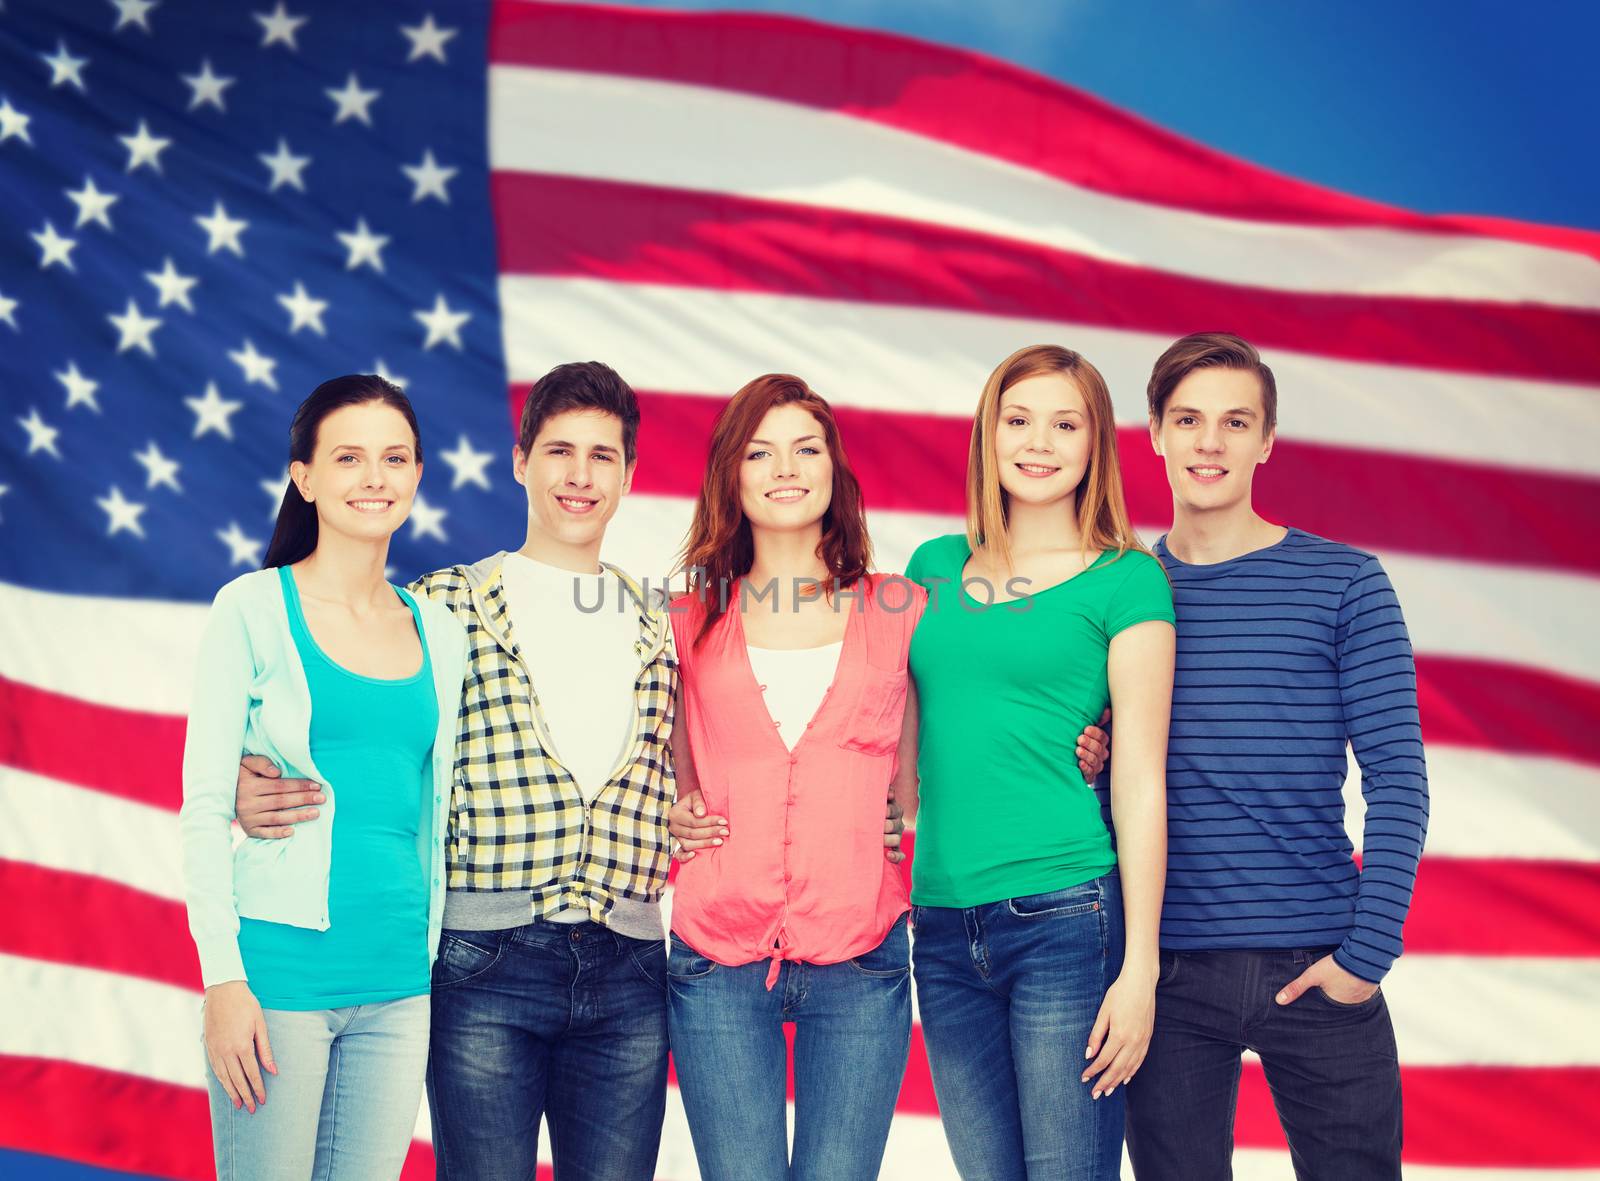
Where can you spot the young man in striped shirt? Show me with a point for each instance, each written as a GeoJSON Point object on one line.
{"type": "Point", "coordinates": [1272, 940]}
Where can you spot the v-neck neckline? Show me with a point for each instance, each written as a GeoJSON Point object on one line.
{"type": "Point", "coordinates": [847, 645]}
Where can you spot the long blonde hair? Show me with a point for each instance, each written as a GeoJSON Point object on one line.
{"type": "Point", "coordinates": [1102, 509]}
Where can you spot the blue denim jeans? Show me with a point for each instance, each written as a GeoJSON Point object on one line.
{"type": "Point", "coordinates": [1008, 994]}
{"type": "Point", "coordinates": [852, 1034]}
{"type": "Point", "coordinates": [1332, 1069]}
{"type": "Point", "coordinates": [566, 1023]}
{"type": "Point", "coordinates": [343, 1104]}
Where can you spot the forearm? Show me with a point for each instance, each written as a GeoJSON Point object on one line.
{"type": "Point", "coordinates": [1378, 692]}
{"type": "Point", "coordinates": [1139, 673]}
{"type": "Point", "coordinates": [1139, 812]}
{"type": "Point", "coordinates": [907, 783]}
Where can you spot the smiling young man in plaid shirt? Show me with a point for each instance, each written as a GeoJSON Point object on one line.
{"type": "Point", "coordinates": [549, 991]}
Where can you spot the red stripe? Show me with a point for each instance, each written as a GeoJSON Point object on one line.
{"type": "Point", "coordinates": [1505, 707]}
{"type": "Point", "coordinates": [110, 926]}
{"type": "Point", "coordinates": [122, 1122]}
{"type": "Point", "coordinates": [917, 463]}
{"type": "Point", "coordinates": [1469, 1116]}
{"type": "Point", "coordinates": [1462, 906]}
{"type": "Point", "coordinates": [138, 756]}
{"type": "Point", "coordinates": [1483, 907]}
{"type": "Point", "coordinates": [1484, 1117]}
{"type": "Point", "coordinates": [572, 226]}
{"type": "Point", "coordinates": [955, 96]}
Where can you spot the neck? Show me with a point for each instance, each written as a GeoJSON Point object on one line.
{"type": "Point", "coordinates": [345, 570]}
{"type": "Point", "coordinates": [580, 559]}
{"type": "Point", "coordinates": [1034, 527]}
{"type": "Point", "coordinates": [1206, 536]}
{"type": "Point", "coordinates": [786, 555]}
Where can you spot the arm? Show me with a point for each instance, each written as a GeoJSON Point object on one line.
{"type": "Point", "coordinates": [906, 786]}
{"type": "Point", "coordinates": [235, 1030]}
{"type": "Point", "coordinates": [1139, 668]}
{"type": "Point", "coordinates": [687, 821]}
{"type": "Point", "coordinates": [1378, 691]}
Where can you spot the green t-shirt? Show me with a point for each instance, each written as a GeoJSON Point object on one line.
{"type": "Point", "coordinates": [1004, 691]}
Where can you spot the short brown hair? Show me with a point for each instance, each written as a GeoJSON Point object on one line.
{"type": "Point", "coordinates": [1210, 350]}
{"type": "Point", "coordinates": [580, 385]}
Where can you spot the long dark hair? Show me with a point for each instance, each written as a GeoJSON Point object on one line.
{"type": "Point", "coordinates": [295, 535]}
{"type": "Point", "coordinates": [720, 548]}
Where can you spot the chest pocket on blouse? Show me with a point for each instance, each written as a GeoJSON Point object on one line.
{"type": "Point", "coordinates": [874, 726]}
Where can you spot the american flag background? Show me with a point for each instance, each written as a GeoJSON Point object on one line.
{"type": "Point", "coordinates": [210, 207]}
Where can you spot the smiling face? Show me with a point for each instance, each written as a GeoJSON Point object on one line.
{"type": "Point", "coordinates": [1212, 433]}
{"type": "Point", "coordinates": [575, 475]}
{"type": "Point", "coordinates": [363, 472]}
{"type": "Point", "coordinates": [786, 476]}
{"type": "Point", "coordinates": [1042, 440]}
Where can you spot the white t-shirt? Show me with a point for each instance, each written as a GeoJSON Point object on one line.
{"type": "Point", "coordinates": [793, 682]}
{"type": "Point", "coordinates": [583, 662]}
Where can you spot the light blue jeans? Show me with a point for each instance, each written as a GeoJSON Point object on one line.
{"type": "Point", "coordinates": [343, 1104]}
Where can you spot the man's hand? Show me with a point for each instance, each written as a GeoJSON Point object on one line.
{"type": "Point", "coordinates": [692, 828]}
{"type": "Point", "coordinates": [1093, 746]}
{"type": "Point", "coordinates": [893, 825]}
{"type": "Point", "coordinates": [269, 806]}
{"type": "Point", "coordinates": [1344, 987]}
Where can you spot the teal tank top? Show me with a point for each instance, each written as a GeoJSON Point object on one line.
{"type": "Point", "coordinates": [373, 741]}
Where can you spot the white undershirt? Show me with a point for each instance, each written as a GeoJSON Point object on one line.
{"type": "Point", "coordinates": [793, 682]}
{"type": "Point", "coordinates": [583, 663]}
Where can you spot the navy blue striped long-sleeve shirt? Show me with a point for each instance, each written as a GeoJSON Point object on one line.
{"type": "Point", "coordinates": [1284, 655]}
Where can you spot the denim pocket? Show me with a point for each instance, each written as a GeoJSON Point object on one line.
{"type": "Point", "coordinates": [1057, 904]}
{"type": "Point", "coordinates": [650, 958]}
{"type": "Point", "coordinates": [466, 955]}
{"type": "Point", "coordinates": [1348, 1006]}
{"type": "Point", "coordinates": [890, 958]}
{"type": "Point", "coordinates": [1168, 961]}
{"type": "Point", "coordinates": [685, 963]}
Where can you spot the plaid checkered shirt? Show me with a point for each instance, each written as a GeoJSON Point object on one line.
{"type": "Point", "coordinates": [518, 821]}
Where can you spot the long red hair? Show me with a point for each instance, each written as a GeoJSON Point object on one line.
{"type": "Point", "coordinates": [719, 549]}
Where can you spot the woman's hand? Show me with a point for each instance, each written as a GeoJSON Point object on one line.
{"type": "Point", "coordinates": [692, 828]}
{"type": "Point", "coordinates": [1121, 1034]}
{"type": "Point", "coordinates": [236, 1038]}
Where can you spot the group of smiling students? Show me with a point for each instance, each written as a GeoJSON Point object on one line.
{"type": "Point", "coordinates": [461, 800]}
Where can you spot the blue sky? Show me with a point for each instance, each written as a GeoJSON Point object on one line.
{"type": "Point", "coordinates": [1456, 106]}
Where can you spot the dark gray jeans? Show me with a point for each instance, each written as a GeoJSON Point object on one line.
{"type": "Point", "coordinates": [1332, 1069]}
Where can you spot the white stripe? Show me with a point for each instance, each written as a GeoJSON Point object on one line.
{"type": "Point", "coordinates": [78, 830]}
{"type": "Point", "coordinates": [134, 654]}
{"type": "Point", "coordinates": [691, 137]}
{"type": "Point", "coordinates": [1487, 805]}
{"type": "Point", "coordinates": [1263, 1164]}
{"type": "Point", "coordinates": [929, 361]}
{"type": "Point", "coordinates": [1451, 608]}
{"type": "Point", "coordinates": [1447, 1010]}
{"type": "Point", "coordinates": [101, 1019]}
{"type": "Point", "coordinates": [137, 654]}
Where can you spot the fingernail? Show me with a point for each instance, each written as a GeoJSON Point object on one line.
{"type": "Point", "coordinates": [319, 799]}
{"type": "Point", "coordinates": [717, 841]}
{"type": "Point", "coordinates": [1089, 1053]}
{"type": "Point", "coordinates": [1283, 998]}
